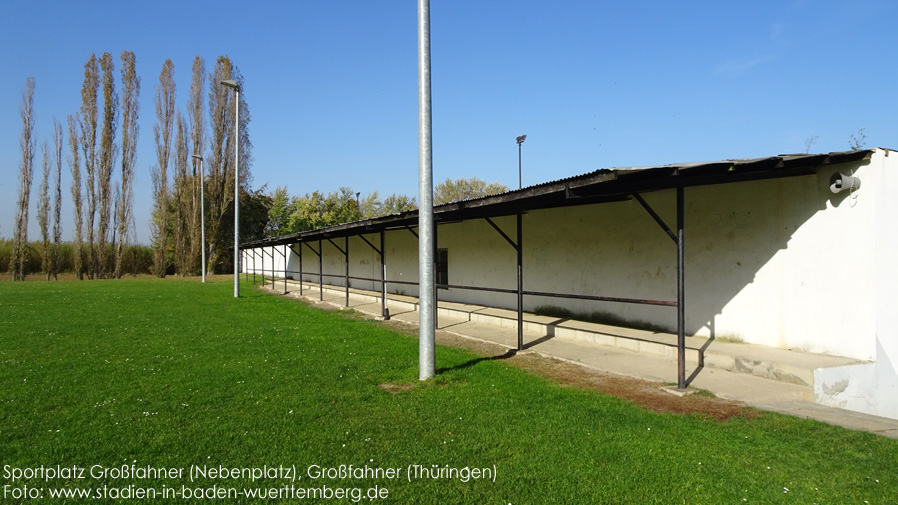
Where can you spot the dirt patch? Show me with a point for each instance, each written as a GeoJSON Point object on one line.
{"type": "Point", "coordinates": [647, 394]}
{"type": "Point", "coordinates": [391, 387]}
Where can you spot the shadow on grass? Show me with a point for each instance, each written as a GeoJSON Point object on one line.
{"type": "Point", "coordinates": [508, 354]}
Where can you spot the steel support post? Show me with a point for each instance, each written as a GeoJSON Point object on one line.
{"type": "Point", "coordinates": [436, 289]}
{"type": "Point", "coordinates": [681, 292]}
{"type": "Point", "coordinates": [346, 255]}
{"type": "Point", "coordinates": [383, 276]}
{"type": "Point", "coordinates": [520, 249]}
{"type": "Point", "coordinates": [320, 272]}
{"type": "Point", "coordinates": [286, 261]}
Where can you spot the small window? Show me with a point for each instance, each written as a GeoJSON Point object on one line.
{"type": "Point", "coordinates": [442, 268]}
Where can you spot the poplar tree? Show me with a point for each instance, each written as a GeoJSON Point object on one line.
{"type": "Point", "coordinates": [26, 174]}
{"type": "Point", "coordinates": [75, 169]}
{"type": "Point", "coordinates": [88, 120]}
{"type": "Point", "coordinates": [108, 152]}
{"type": "Point", "coordinates": [220, 187]}
{"type": "Point", "coordinates": [130, 130]}
{"type": "Point", "coordinates": [162, 133]}
{"type": "Point", "coordinates": [58, 141]}
{"type": "Point", "coordinates": [43, 211]}
{"type": "Point", "coordinates": [181, 203]}
{"type": "Point", "coordinates": [197, 123]}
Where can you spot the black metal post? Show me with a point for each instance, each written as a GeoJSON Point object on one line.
{"type": "Point", "coordinates": [383, 276]}
{"type": "Point", "coordinates": [286, 261]}
{"type": "Point", "coordinates": [436, 289]}
{"type": "Point", "coordinates": [320, 272]}
{"type": "Point", "coordinates": [346, 255]}
{"type": "Point", "coordinates": [301, 280]}
{"type": "Point", "coordinates": [681, 293]}
{"type": "Point", "coordinates": [520, 250]}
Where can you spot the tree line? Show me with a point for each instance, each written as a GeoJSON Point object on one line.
{"type": "Point", "coordinates": [193, 178]}
{"type": "Point", "coordinates": [191, 150]}
{"type": "Point", "coordinates": [294, 214]}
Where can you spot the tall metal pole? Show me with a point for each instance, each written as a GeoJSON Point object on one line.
{"type": "Point", "coordinates": [236, 87]}
{"type": "Point", "coordinates": [426, 346]}
{"type": "Point", "coordinates": [520, 252]}
{"type": "Point", "coordinates": [681, 291]}
{"type": "Point", "coordinates": [237, 194]}
{"type": "Point", "coordinates": [199, 158]}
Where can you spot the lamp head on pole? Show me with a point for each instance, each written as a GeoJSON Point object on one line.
{"type": "Point", "coordinates": [521, 139]}
{"type": "Point", "coordinates": [231, 84]}
{"type": "Point", "coordinates": [197, 157]}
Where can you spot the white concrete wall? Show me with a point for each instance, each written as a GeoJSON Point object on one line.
{"type": "Point", "coordinates": [782, 262]}
{"type": "Point", "coordinates": [873, 388]}
{"type": "Point", "coordinates": [886, 272]}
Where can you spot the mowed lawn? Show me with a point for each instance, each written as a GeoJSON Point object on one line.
{"type": "Point", "coordinates": [176, 374]}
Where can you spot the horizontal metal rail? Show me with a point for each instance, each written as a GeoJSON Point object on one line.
{"type": "Point", "coordinates": [613, 299]}
{"type": "Point", "coordinates": [638, 301]}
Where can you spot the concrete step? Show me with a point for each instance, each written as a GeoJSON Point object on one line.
{"type": "Point", "coordinates": [784, 365]}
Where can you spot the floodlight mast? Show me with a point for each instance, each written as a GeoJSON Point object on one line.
{"type": "Point", "coordinates": [197, 157]}
{"type": "Point", "coordinates": [426, 299]}
{"type": "Point", "coordinates": [520, 141]}
{"type": "Point", "coordinates": [236, 87]}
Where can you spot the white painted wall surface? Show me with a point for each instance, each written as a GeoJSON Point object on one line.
{"type": "Point", "coordinates": [782, 262]}
{"type": "Point", "coordinates": [873, 388]}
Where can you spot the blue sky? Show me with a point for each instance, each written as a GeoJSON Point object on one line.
{"type": "Point", "coordinates": [332, 86]}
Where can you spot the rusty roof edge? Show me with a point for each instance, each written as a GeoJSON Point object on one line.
{"type": "Point", "coordinates": [577, 181]}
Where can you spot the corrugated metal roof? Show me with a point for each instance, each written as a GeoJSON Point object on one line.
{"type": "Point", "coordinates": [603, 185]}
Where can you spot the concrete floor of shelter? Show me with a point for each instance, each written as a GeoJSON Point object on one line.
{"type": "Point", "coordinates": [736, 371]}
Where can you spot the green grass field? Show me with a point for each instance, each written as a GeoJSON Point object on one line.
{"type": "Point", "coordinates": [173, 374]}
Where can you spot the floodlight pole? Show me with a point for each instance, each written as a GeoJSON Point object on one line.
{"type": "Point", "coordinates": [520, 141]}
{"type": "Point", "coordinates": [426, 356]}
{"type": "Point", "coordinates": [236, 88]}
{"type": "Point", "coordinates": [197, 157]}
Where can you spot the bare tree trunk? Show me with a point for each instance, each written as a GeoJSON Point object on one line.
{"type": "Point", "coordinates": [75, 168]}
{"type": "Point", "coordinates": [58, 140]}
{"type": "Point", "coordinates": [162, 132]}
{"type": "Point", "coordinates": [26, 174]}
{"type": "Point", "coordinates": [88, 120]}
{"type": "Point", "coordinates": [43, 212]}
{"type": "Point", "coordinates": [130, 130]}
{"type": "Point", "coordinates": [108, 152]}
